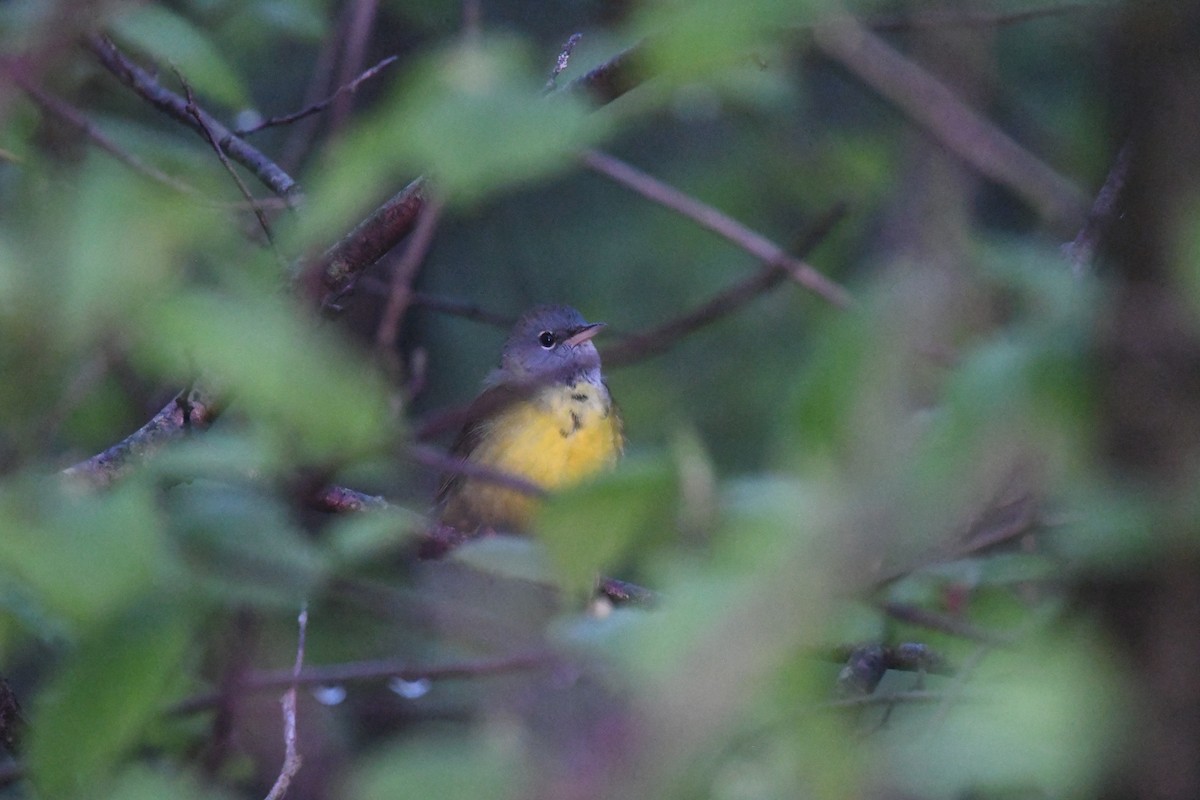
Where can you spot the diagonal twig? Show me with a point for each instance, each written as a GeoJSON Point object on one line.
{"type": "Point", "coordinates": [259, 214]}
{"type": "Point", "coordinates": [719, 223]}
{"type": "Point", "coordinates": [320, 105]}
{"type": "Point", "coordinates": [403, 276]}
{"type": "Point", "coordinates": [1081, 251]}
{"type": "Point", "coordinates": [657, 340]}
{"type": "Point", "coordinates": [962, 130]}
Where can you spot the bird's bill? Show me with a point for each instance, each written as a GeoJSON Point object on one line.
{"type": "Point", "coordinates": [583, 334]}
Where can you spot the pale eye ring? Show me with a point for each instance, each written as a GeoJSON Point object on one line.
{"type": "Point", "coordinates": [546, 339]}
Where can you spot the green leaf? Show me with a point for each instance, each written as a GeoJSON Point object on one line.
{"type": "Point", "coordinates": [459, 768]}
{"type": "Point", "coordinates": [472, 116]}
{"type": "Point", "coordinates": [82, 557]}
{"type": "Point", "coordinates": [173, 41]}
{"type": "Point", "coordinates": [241, 544]}
{"type": "Point", "coordinates": [316, 398]}
{"type": "Point", "coordinates": [102, 700]}
{"type": "Point", "coordinates": [588, 528]}
{"type": "Point", "coordinates": [698, 38]}
{"type": "Point", "coordinates": [1044, 716]}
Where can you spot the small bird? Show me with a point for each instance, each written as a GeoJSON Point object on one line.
{"type": "Point", "coordinates": [545, 417]}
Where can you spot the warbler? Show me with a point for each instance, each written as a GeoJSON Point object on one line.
{"type": "Point", "coordinates": [545, 416]}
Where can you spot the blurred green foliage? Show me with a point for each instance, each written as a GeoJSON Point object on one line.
{"type": "Point", "coordinates": [828, 461]}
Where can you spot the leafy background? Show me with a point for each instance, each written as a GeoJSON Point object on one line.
{"type": "Point", "coordinates": [987, 454]}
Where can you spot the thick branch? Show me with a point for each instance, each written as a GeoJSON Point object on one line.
{"type": "Point", "coordinates": [145, 84]}
{"type": "Point", "coordinates": [338, 267]}
{"type": "Point", "coordinates": [187, 412]}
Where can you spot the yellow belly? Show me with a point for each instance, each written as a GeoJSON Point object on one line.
{"type": "Point", "coordinates": [554, 439]}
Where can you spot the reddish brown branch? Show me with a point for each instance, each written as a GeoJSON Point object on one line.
{"type": "Point", "coordinates": [146, 86]}
{"type": "Point", "coordinates": [719, 223]}
{"type": "Point", "coordinates": [931, 104]}
{"type": "Point", "coordinates": [332, 275]}
{"type": "Point", "coordinates": [189, 411]}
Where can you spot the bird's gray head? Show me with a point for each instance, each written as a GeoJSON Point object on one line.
{"type": "Point", "coordinates": [552, 343]}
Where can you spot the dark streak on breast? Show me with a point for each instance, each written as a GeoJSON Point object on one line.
{"type": "Point", "coordinates": [576, 423]}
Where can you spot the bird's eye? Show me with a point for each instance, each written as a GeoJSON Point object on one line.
{"type": "Point", "coordinates": [546, 339]}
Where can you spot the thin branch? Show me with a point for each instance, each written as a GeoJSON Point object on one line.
{"type": "Point", "coordinates": [72, 116]}
{"type": "Point", "coordinates": [657, 340]}
{"type": "Point", "coordinates": [321, 105]}
{"type": "Point", "coordinates": [404, 275]}
{"type": "Point", "coordinates": [189, 411]}
{"type": "Point", "coordinates": [255, 682]}
{"type": "Point", "coordinates": [291, 758]}
{"type": "Point", "coordinates": [971, 18]}
{"type": "Point", "coordinates": [963, 131]}
{"type": "Point", "coordinates": [199, 117]}
{"type": "Point", "coordinates": [145, 85]}
{"type": "Point", "coordinates": [1081, 251]}
{"type": "Point", "coordinates": [358, 32]}
{"type": "Point", "coordinates": [719, 223]}
{"type": "Point", "coordinates": [331, 276]}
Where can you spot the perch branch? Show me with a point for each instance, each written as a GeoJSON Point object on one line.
{"type": "Point", "coordinates": [190, 410]}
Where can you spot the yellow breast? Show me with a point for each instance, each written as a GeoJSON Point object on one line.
{"type": "Point", "coordinates": [555, 438]}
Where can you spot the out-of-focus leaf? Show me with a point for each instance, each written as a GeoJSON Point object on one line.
{"type": "Point", "coordinates": [101, 701]}
{"type": "Point", "coordinates": [81, 556]}
{"type": "Point", "coordinates": [472, 116]}
{"type": "Point", "coordinates": [296, 19]}
{"type": "Point", "coordinates": [586, 529]}
{"type": "Point", "coordinates": [240, 544]}
{"type": "Point", "coordinates": [1039, 716]}
{"type": "Point", "coordinates": [506, 556]}
{"type": "Point", "coordinates": [140, 782]}
{"type": "Point", "coordinates": [454, 769]}
{"type": "Point", "coordinates": [317, 398]}
{"type": "Point", "coordinates": [364, 537]}
{"type": "Point", "coordinates": [123, 242]}
{"type": "Point", "coordinates": [174, 42]}
{"type": "Point", "coordinates": [697, 38]}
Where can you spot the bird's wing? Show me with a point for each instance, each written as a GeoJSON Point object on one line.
{"type": "Point", "coordinates": [492, 401]}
